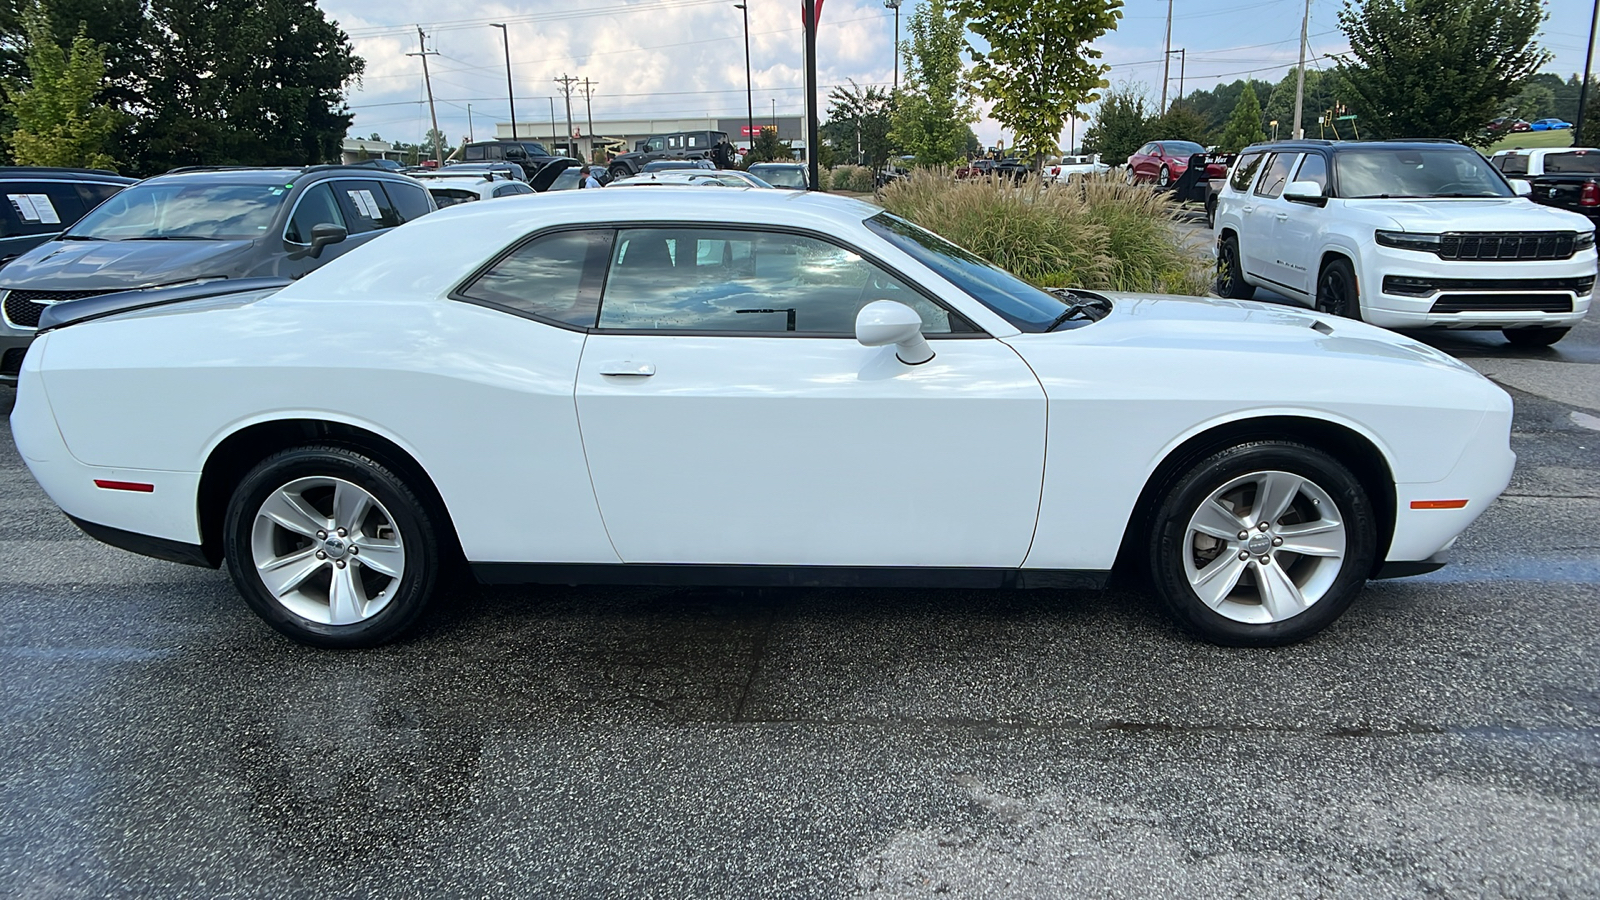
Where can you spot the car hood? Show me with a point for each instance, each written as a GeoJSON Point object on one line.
{"type": "Point", "coordinates": [1210, 327]}
{"type": "Point", "coordinates": [120, 265]}
{"type": "Point", "coordinates": [1489, 214]}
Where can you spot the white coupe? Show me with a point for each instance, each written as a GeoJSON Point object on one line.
{"type": "Point", "coordinates": [746, 387]}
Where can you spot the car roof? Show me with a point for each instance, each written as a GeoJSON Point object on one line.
{"type": "Point", "coordinates": [274, 174]}
{"type": "Point", "coordinates": [17, 173]}
{"type": "Point", "coordinates": [1340, 146]}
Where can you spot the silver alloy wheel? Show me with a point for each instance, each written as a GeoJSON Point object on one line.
{"type": "Point", "coordinates": [327, 550]}
{"type": "Point", "coordinates": [1264, 547]}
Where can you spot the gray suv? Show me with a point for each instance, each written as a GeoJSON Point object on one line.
{"type": "Point", "coordinates": [203, 224]}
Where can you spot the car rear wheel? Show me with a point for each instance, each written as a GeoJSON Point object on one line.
{"type": "Point", "coordinates": [1534, 337]}
{"type": "Point", "coordinates": [1262, 544]}
{"type": "Point", "coordinates": [330, 547]}
{"type": "Point", "coordinates": [1230, 273]}
{"type": "Point", "coordinates": [1337, 293]}
{"type": "Point", "coordinates": [1211, 212]}
{"type": "Point", "coordinates": [619, 171]}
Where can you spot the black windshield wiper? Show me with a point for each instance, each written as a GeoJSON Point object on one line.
{"type": "Point", "coordinates": [1079, 306]}
{"type": "Point", "coordinates": [172, 237]}
{"type": "Point", "coordinates": [78, 237]}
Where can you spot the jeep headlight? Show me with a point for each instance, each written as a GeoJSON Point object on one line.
{"type": "Point", "coordinates": [1583, 241]}
{"type": "Point", "coordinates": [1405, 240]}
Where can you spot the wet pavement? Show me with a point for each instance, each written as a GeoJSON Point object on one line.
{"type": "Point", "coordinates": [1443, 738]}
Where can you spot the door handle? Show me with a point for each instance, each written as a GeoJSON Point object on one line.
{"type": "Point", "coordinates": [1247, 210]}
{"type": "Point", "coordinates": [639, 369]}
{"type": "Point", "coordinates": [1283, 217]}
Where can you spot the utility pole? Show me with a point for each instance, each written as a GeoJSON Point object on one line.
{"type": "Point", "coordinates": [811, 12]}
{"type": "Point", "coordinates": [1166, 58]}
{"type": "Point", "coordinates": [566, 82]}
{"type": "Point", "coordinates": [588, 92]}
{"type": "Point", "coordinates": [511, 95]}
{"type": "Point", "coordinates": [749, 92]}
{"type": "Point", "coordinates": [424, 52]}
{"type": "Point", "coordinates": [1183, 65]}
{"type": "Point", "coordinates": [1583, 90]}
{"type": "Point", "coordinates": [1300, 82]}
{"type": "Point", "coordinates": [552, 123]}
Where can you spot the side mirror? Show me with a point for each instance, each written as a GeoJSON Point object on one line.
{"type": "Point", "coordinates": [883, 322]}
{"type": "Point", "coordinates": [324, 234]}
{"type": "Point", "coordinates": [1521, 187]}
{"type": "Point", "coordinates": [1304, 192]}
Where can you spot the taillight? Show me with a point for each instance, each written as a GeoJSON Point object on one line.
{"type": "Point", "coordinates": [1590, 196]}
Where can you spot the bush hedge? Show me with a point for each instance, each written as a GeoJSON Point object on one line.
{"type": "Point", "coordinates": [851, 178]}
{"type": "Point", "coordinates": [1095, 233]}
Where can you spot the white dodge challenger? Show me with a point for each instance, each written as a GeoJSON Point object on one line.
{"type": "Point", "coordinates": [746, 387]}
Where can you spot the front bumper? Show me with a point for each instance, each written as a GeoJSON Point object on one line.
{"type": "Point", "coordinates": [13, 347]}
{"type": "Point", "coordinates": [1422, 531]}
{"type": "Point", "coordinates": [1474, 294]}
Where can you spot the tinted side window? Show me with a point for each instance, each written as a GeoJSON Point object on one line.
{"type": "Point", "coordinates": [42, 207]}
{"type": "Point", "coordinates": [443, 197]}
{"type": "Point", "coordinates": [707, 279]}
{"type": "Point", "coordinates": [473, 154]}
{"type": "Point", "coordinates": [366, 206]}
{"type": "Point", "coordinates": [1514, 164]}
{"type": "Point", "coordinates": [316, 207]}
{"type": "Point", "coordinates": [409, 201]}
{"type": "Point", "coordinates": [1244, 169]}
{"type": "Point", "coordinates": [1314, 168]}
{"type": "Point", "coordinates": [95, 193]}
{"type": "Point", "coordinates": [512, 189]}
{"type": "Point", "coordinates": [554, 277]}
{"type": "Point", "coordinates": [1276, 175]}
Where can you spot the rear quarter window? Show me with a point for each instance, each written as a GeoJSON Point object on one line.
{"type": "Point", "coordinates": [1577, 162]}
{"type": "Point", "coordinates": [409, 201]}
{"type": "Point", "coordinates": [1244, 171]}
{"type": "Point", "coordinates": [1512, 164]}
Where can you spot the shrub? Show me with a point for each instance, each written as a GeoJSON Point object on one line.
{"type": "Point", "coordinates": [1096, 233]}
{"type": "Point", "coordinates": [852, 178]}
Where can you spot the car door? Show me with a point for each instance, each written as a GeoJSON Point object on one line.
{"type": "Point", "coordinates": [1258, 216]}
{"type": "Point", "coordinates": [1295, 225]}
{"type": "Point", "coordinates": [730, 417]}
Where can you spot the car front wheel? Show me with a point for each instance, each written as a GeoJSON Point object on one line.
{"type": "Point", "coordinates": [1129, 176]}
{"type": "Point", "coordinates": [1534, 337]}
{"type": "Point", "coordinates": [330, 547]}
{"type": "Point", "coordinates": [1262, 544]}
{"type": "Point", "coordinates": [1164, 180]}
{"type": "Point", "coordinates": [620, 171]}
{"type": "Point", "coordinates": [1337, 293]}
{"type": "Point", "coordinates": [1230, 273]}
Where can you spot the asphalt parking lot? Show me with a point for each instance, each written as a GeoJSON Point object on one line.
{"type": "Point", "coordinates": [1443, 738]}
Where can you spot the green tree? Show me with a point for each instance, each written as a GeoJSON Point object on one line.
{"type": "Point", "coordinates": [1120, 126]}
{"type": "Point", "coordinates": [933, 111]}
{"type": "Point", "coordinates": [1244, 126]}
{"type": "Point", "coordinates": [1040, 64]}
{"type": "Point", "coordinates": [767, 148]}
{"type": "Point", "coordinates": [859, 118]}
{"type": "Point", "coordinates": [1320, 96]}
{"type": "Point", "coordinates": [248, 82]}
{"type": "Point", "coordinates": [57, 121]}
{"type": "Point", "coordinates": [1180, 123]}
{"type": "Point", "coordinates": [1534, 101]}
{"type": "Point", "coordinates": [1437, 68]}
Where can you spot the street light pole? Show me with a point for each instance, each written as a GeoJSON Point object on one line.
{"type": "Point", "coordinates": [1583, 91]}
{"type": "Point", "coordinates": [812, 11]}
{"type": "Point", "coordinates": [749, 95]}
{"type": "Point", "coordinates": [511, 95]}
{"type": "Point", "coordinates": [895, 5]}
{"type": "Point", "coordinates": [1300, 81]}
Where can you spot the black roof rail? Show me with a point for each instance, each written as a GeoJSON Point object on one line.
{"type": "Point", "coordinates": [228, 169]}
{"type": "Point", "coordinates": [363, 166]}
{"type": "Point", "coordinates": [57, 170]}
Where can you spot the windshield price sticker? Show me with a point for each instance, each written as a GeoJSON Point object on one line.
{"type": "Point", "coordinates": [366, 204]}
{"type": "Point", "coordinates": [35, 208]}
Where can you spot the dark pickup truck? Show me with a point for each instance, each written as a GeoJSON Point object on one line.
{"type": "Point", "coordinates": [529, 156]}
{"type": "Point", "coordinates": [1564, 177]}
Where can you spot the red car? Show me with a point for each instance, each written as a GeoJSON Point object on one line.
{"type": "Point", "coordinates": [977, 168]}
{"type": "Point", "coordinates": [1162, 162]}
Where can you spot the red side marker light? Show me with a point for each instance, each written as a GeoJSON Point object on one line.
{"type": "Point", "coordinates": [137, 486]}
{"type": "Point", "coordinates": [1438, 504]}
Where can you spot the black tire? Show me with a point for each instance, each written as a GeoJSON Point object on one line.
{"type": "Point", "coordinates": [619, 171]}
{"type": "Point", "coordinates": [1164, 180]}
{"type": "Point", "coordinates": [1539, 336]}
{"type": "Point", "coordinates": [410, 519]}
{"type": "Point", "coordinates": [1169, 527]}
{"type": "Point", "coordinates": [1129, 176]}
{"type": "Point", "coordinates": [1211, 212]}
{"type": "Point", "coordinates": [1338, 294]}
{"type": "Point", "coordinates": [1230, 271]}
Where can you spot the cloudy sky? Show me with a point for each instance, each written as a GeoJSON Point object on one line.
{"type": "Point", "coordinates": [686, 57]}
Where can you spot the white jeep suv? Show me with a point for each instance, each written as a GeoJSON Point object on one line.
{"type": "Point", "coordinates": [1402, 234]}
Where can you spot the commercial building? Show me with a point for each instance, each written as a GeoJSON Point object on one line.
{"type": "Point", "coordinates": [791, 130]}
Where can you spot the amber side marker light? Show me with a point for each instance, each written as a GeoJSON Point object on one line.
{"type": "Point", "coordinates": [137, 486]}
{"type": "Point", "coordinates": [1438, 504]}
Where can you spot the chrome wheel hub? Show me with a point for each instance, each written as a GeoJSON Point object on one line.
{"type": "Point", "coordinates": [327, 550]}
{"type": "Point", "coordinates": [1264, 547]}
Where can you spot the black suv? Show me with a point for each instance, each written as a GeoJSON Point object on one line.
{"type": "Point", "coordinates": [712, 145]}
{"type": "Point", "coordinates": [203, 224]}
{"type": "Point", "coordinates": [42, 202]}
{"type": "Point", "coordinates": [531, 156]}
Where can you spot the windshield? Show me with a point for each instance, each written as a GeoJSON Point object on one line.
{"type": "Point", "coordinates": [1577, 162]}
{"type": "Point", "coordinates": [1382, 173]}
{"type": "Point", "coordinates": [177, 211]}
{"type": "Point", "coordinates": [1013, 299]}
{"type": "Point", "coordinates": [1182, 148]}
{"type": "Point", "coordinates": [781, 176]}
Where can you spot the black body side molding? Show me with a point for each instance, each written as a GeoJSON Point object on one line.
{"type": "Point", "coordinates": [785, 576]}
{"type": "Point", "coordinates": [145, 545]}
